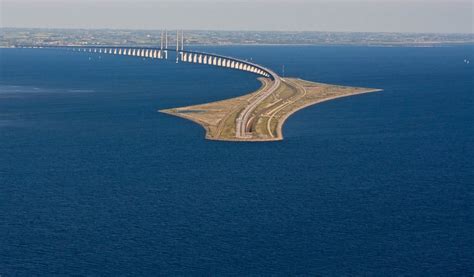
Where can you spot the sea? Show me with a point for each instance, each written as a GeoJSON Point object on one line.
{"type": "Point", "coordinates": [94, 181]}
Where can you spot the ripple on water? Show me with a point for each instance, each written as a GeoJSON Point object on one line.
{"type": "Point", "coordinates": [12, 91]}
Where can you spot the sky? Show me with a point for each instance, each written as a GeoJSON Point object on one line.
{"type": "Point", "coordinates": [420, 16]}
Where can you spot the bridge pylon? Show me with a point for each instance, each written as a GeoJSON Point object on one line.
{"type": "Point", "coordinates": [161, 45]}
{"type": "Point", "coordinates": [166, 44]}
{"type": "Point", "coordinates": [177, 46]}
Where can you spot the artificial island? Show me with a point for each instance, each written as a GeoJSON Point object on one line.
{"type": "Point", "coordinates": [258, 116]}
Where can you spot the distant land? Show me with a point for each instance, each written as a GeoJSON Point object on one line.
{"type": "Point", "coordinates": [12, 37]}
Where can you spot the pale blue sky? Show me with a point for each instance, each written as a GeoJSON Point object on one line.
{"type": "Point", "coordinates": [451, 16]}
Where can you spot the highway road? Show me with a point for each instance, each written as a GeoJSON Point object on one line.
{"type": "Point", "coordinates": [242, 121]}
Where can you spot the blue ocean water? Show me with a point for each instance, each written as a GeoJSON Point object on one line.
{"type": "Point", "coordinates": [94, 181]}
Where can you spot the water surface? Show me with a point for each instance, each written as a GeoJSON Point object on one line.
{"type": "Point", "coordinates": [93, 181]}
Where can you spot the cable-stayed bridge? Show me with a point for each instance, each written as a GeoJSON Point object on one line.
{"type": "Point", "coordinates": [242, 129]}
{"type": "Point", "coordinates": [181, 55]}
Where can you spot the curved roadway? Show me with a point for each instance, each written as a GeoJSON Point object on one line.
{"type": "Point", "coordinates": [243, 118]}
{"type": "Point", "coordinates": [242, 121]}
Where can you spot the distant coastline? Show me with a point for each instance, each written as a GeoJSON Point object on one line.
{"type": "Point", "coordinates": [11, 37]}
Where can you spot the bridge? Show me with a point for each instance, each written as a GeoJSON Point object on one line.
{"type": "Point", "coordinates": [181, 55]}
{"type": "Point", "coordinates": [253, 117]}
{"type": "Point", "coordinates": [196, 57]}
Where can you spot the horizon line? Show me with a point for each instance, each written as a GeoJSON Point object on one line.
{"type": "Point", "coordinates": [233, 30]}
